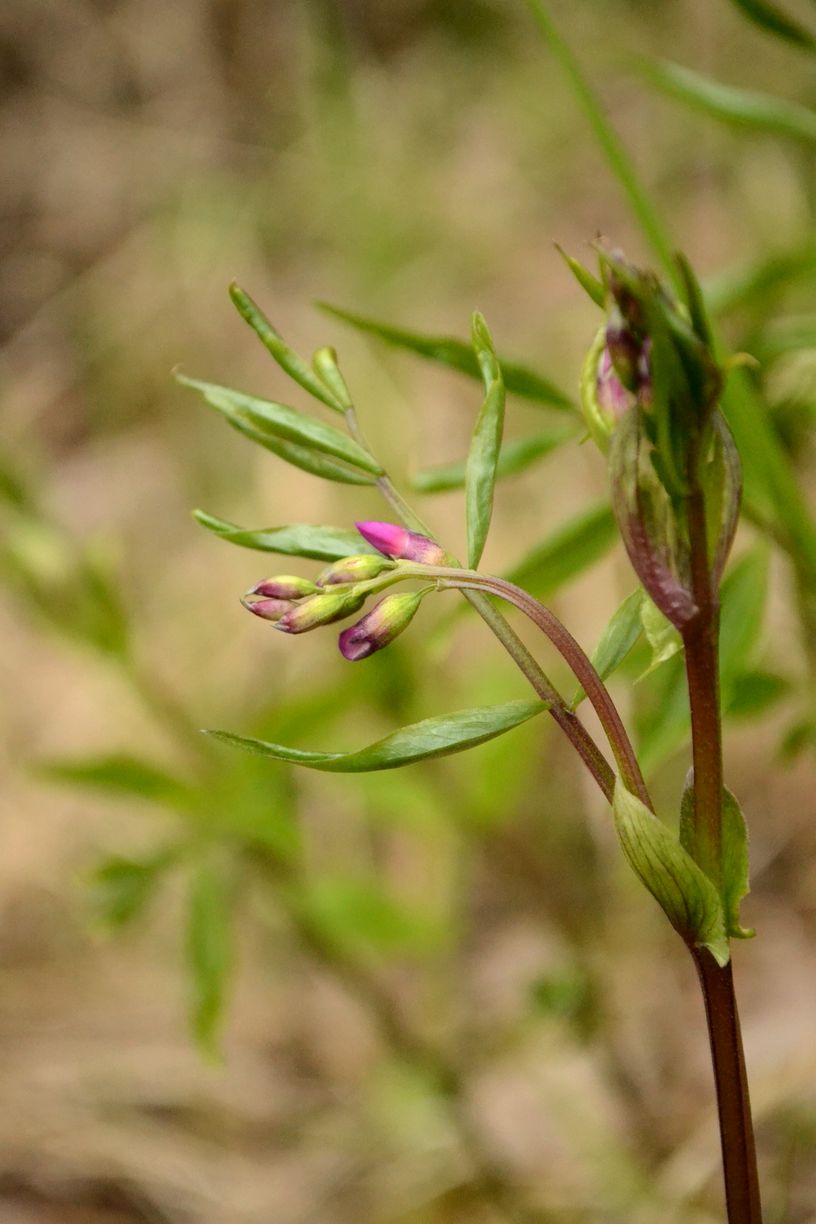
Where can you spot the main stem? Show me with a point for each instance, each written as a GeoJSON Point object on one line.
{"type": "Point", "coordinates": [701, 643]}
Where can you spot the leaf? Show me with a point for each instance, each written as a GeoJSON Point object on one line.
{"type": "Point", "coordinates": [617, 639]}
{"type": "Point", "coordinates": [433, 737]}
{"type": "Point", "coordinates": [361, 916]}
{"type": "Point", "coordinates": [773, 19]}
{"type": "Point", "coordinates": [120, 888]}
{"type": "Point", "coordinates": [209, 952]}
{"type": "Point", "coordinates": [735, 883]}
{"type": "Point", "coordinates": [120, 774]}
{"type": "Point", "coordinates": [661, 635]}
{"type": "Point", "coordinates": [756, 283]}
{"type": "Point", "coordinates": [570, 550]}
{"type": "Point", "coordinates": [743, 108]}
{"type": "Point", "coordinates": [313, 462]}
{"type": "Point", "coordinates": [684, 892]}
{"type": "Point", "coordinates": [589, 283]}
{"type": "Point", "coordinates": [480, 472]}
{"type": "Point", "coordinates": [753, 692]}
{"type": "Point", "coordinates": [269, 418]}
{"type": "Point", "coordinates": [454, 353]}
{"type": "Point", "coordinates": [287, 358]}
{"type": "Point", "coordinates": [291, 540]}
{"type": "Point", "coordinates": [514, 456]}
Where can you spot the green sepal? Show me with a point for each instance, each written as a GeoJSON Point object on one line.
{"type": "Point", "coordinates": [735, 877]}
{"type": "Point", "coordinates": [433, 737]}
{"type": "Point", "coordinates": [685, 894]}
{"type": "Point", "coordinates": [591, 285]}
{"type": "Point", "coordinates": [290, 361]}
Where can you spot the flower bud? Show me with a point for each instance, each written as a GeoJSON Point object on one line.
{"type": "Point", "coordinates": [268, 609]}
{"type": "Point", "coordinates": [398, 542]}
{"type": "Point", "coordinates": [604, 399]}
{"type": "Point", "coordinates": [354, 569]}
{"type": "Point", "coordinates": [320, 609]}
{"type": "Point", "coordinates": [284, 586]}
{"type": "Point", "coordinates": [624, 347]}
{"type": "Point", "coordinates": [380, 626]}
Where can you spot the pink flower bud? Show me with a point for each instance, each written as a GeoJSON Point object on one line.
{"type": "Point", "coordinates": [268, 609]}
{"type": "Point", "coordinates": [284, 586]}
{"type": "Point", "coordinates": [380, 626]}
{"type": "Point", "coordinates": [398, 542]}
{"type": "Point", "coordinates": [354, 569]}
{"type": "Point", "coordinates": [320, 609]}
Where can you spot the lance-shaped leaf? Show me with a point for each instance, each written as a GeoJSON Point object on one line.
{"type": "Point", "coordinates": [448, 351]}
{"type": "Point", "coordinates": [515, 456]}
{"type": "Point", "coordinates": [286, 357]}
{"type": "Point", "coordinates": [735, 879]}
{"type": "Point", "coordinates": [772, 18]}
{"type": "Point", "coordinates": [312, 461]}
{"type": "Point", "coordinates": [279, 421]}
{"type": "Point", "coordinates": [589, 283]}
{"type": "Point", "coordinates": [684, 892]}
{"type": "Point", "coordinates": [209, 952]}
{"type": "Point", "coordinates": [291, 540]}
{"type": "Point", "coordinates": [480, 472]}
{"type": "Point", "coordinates": [617, 639]}
{"type": "Point", "coordinates": [744, 108]}
{"type": "Point", "coordinates": [433, 737]}
{"type": "Point", "coordinates": [566, 553]}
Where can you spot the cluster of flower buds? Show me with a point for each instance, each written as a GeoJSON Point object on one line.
{"type": "Point", "coordinates": [297, 605]}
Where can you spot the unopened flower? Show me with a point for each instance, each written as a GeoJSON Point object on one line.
{"type": "Point", "coordinates": [354, 569]}
{"type": "Point", "coordinates": [380, 626]}
{"type": "Point", "coordinates": [321, 609]}
{"type": "Point", "coordinates": [268, 609]}
{"type": "Point", "coordinates": [285, 586]}
{"type": "Point", "coordinates": [398, 542]}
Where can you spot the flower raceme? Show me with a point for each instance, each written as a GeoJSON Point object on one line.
{"type": "Point", "coordinates": [297, 605]}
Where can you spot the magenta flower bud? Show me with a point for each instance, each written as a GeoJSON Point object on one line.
{"type": "Point", "coordinates": [398, 542]}
{"type": "Point", "coordinates": [380, 626]}
{"type": "Point", "coordinates": [612, 397]}
{"type": "Point", "coordinates": [354, 569]}
{"type": "Point", "coordinates": [268, 609]}
{"type": "Point", "coordinates": [320, 609]}
{"type": "Point", "coordinates": [284, 586]}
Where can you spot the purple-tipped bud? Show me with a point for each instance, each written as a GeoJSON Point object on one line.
{"type": "Point", "coordinates": [284, 586]}
{"type": "Point", "coordinates": [612, 396]}
{"type": "Point", "coordinates": [320, 609]}
{"type": "Point", "coordinates": [624, 348]}
{"type": "Point", "coordinates": [380, 626]}
{"type": "Point", "coordinates": [403, 545]}
{"type": "Point", "coordinates": [354, 569]}
{"type": "Point", "coordinates": [268, 609]}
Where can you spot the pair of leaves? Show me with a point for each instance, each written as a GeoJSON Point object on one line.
{"type": "Point", "coordinates": [303, 441]}
{"type": "Point", "coordinates": [684, 892]}
{"type": "Point", "coordinates": [432, 737]}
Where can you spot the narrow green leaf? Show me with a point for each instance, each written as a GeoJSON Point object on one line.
{"type": "Point", "coordinates": [291, 540]}
{"type": "Point", "coordinates": [617, 639]}
{"type": "Point", "coordinates": [589, 283]}
{"type": "Point", "coordinates": [280, 421]}
{"type": "Point", "coordinates": [287, 358]}
{"type": "Point", "coordinates": [326, 365]}
{"type": "Point", "coordinates": [480, 472]}
{"type": "Point", "coordinates": [743, 597]}
{"type": "Point", "coordinates": [608, 140]}
{"type": "Point", "coordinates": [448, 351]}
{"type": "Point", "coordinates": [120, 774]}
{"type": "Point", "coordinates": [570, 550]}
{"type": "Point", "coordinates": [661, 635]}
{"type": "Point", "coordinates": [314, 462]}
{"type": "Point", "coordinates": [433, 737]}
{"type": "Point", "coordinates": [753, 692]}
{"type": "Point", "coordinates": [773, 19]}
{"type": "Point", "coordinates": [120, 888]}
{"type": "Point", "coordinates": [693, 296]}
{"type": "Point", "coordinates": [209, 952]}
{"type": "Point", "coordinates": [756, 283]}
{"type": "Point", "coordinates": [744, 108]}
{"type": "Point", "coordinates": [735, 882]}
{"type": "Point", "coordinates": [515, 456]}
{"type": "Point", "coordinates": [684, 892]}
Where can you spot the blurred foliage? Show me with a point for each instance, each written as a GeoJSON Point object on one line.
{"type": "Point", "coordinates": [470, 1032]}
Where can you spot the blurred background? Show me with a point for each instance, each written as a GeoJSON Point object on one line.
{"type": "Point", "coordinates": [234, 992]}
